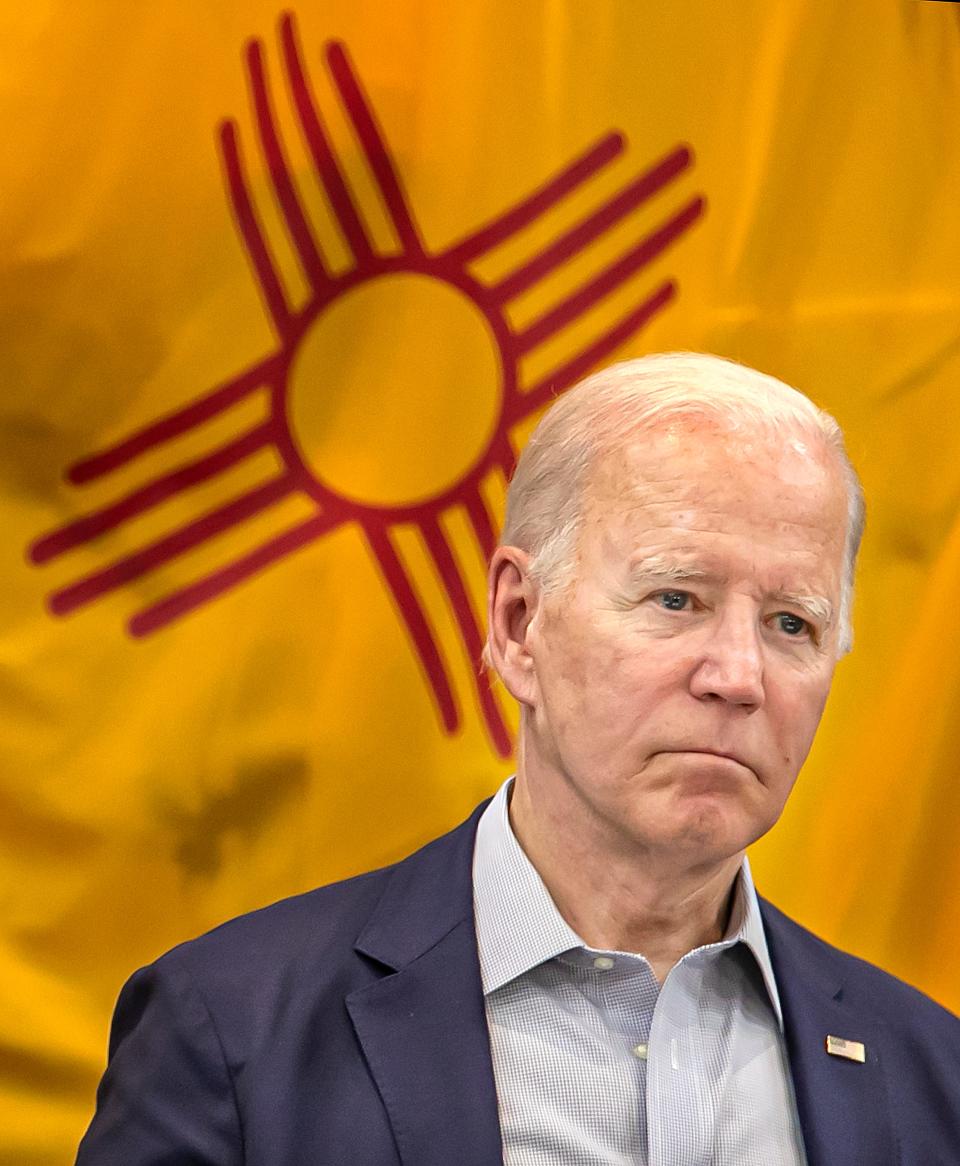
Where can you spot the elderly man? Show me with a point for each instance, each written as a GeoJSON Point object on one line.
{"type": "Point", "coordinates": [582, 973]}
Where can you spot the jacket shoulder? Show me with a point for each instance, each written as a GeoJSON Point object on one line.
{"type": "Point", "coordinates": [897, 1004]}
{"type": "Point", "coordinates": [326, 919]}
{"type": "Point", "coordinates": [309, 936]}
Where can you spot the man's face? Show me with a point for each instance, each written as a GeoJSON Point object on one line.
{"type": "Point", "coordinates": [679, 678]}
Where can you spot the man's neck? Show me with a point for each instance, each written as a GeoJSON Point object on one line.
{"type": "Point", "coordinates": [622, 901]}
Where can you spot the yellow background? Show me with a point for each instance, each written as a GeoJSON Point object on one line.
{"type": "Point", "coordinates": [284, 736]}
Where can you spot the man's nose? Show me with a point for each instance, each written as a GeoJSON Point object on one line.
{"type": "Point", "coordinates": [731, 665]}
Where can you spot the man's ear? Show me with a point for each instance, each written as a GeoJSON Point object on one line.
{"type": "Point", "coordinates": [513, 598]}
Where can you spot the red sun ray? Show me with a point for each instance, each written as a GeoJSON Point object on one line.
{"type": "Point", "coordinates": [374, 147]}
{"type": "Point", "coordinates": [272, 375]}
{"type": "Point", "coordinates": [593, 226]}
{"type": "Point", "coordinates": [187, 599]}
{"type": "Point", "coordinates": [411, 610]}
{"type": "Point", "coordinates": [306, 246]}
{"type": "Point", "coordinates": [530, 209]}
{"type": "Point", "coordinates": [166, 486]}
{"type": "Point", "coordinates": [469, 632]}
{"type": "Point", "coordinates": [482, 523]}
{"type": "Point", "coordinates": [594, 354]}
{"type": "Point", "coordinates": [173, 425]}
{"type": "Point", "coordinates": [256, 244]}
{"type": "Point", "coordinates": [612, 277]}
{"type": "Point", "coordinates": [324, 159]}
{"type": "Point", "coordinates": [164, 550]}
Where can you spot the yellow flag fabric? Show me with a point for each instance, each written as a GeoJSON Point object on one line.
{"type": "Point", "coordinates": [282, 294]}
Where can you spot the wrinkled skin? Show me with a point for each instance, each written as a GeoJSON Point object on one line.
{"type": "Point", "coordinates": [671, 690]}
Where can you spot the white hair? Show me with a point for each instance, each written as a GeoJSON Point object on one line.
{"type": "Point", "coordinates": [545, 499]}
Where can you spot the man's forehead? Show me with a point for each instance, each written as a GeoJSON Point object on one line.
{"type": "Point", "coordinates": [689, 453]}
{"type": "Point", "coordinates": [685, 494]}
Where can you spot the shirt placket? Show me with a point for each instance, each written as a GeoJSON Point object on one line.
{"type": "Point", "coordinates": [680, 1098]}
{"type": "Point", "coordinates": [624, 993]}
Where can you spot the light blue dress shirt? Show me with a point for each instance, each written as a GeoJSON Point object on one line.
{"type": "Point", "coordinates": [596, 1064]}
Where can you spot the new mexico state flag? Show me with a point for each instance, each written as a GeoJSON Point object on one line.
{"type": "Point", "coordinates": [282, 294]}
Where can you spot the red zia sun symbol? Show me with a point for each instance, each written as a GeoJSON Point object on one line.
{"type": "Point", "coordinates": [418, 281]}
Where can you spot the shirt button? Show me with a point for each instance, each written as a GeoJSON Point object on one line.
{"type": "Point", "coordinates": [603, 963]}
{"type": "Point", "coordinates": [640, 1052]}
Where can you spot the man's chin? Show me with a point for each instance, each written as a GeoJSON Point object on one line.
{"type": "Point", "coordinates": [707, 827]}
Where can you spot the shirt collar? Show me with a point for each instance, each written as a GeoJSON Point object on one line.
{"type": "Point", "coordinates": [518, 924]}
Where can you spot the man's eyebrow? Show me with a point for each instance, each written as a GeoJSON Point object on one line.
{"type": "Point", "coordinates": [816, 606]}
{"type": "Point", "coordinates": [662, 568]}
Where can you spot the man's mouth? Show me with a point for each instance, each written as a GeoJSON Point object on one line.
{"type": "Point", "coordinates": [718, 753]}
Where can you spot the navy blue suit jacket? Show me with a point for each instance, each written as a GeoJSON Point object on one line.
{"type": "Point", "coordinates": [345, 1027]}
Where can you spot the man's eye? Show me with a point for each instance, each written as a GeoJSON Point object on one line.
{"type": "Point", "coordinates": [791, 624]}
{"type": "Point", "coordinates": [673, 600]}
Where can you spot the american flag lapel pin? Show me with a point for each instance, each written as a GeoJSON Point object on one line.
{"type": "Point", "coordinates": [852, 1050]}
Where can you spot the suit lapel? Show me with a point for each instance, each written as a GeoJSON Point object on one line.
{"type": "Point", "coordinates": [424, 1035]}
{"type": "Point", "coordinates": [844, 1106]}
{"type": "Point", "coordinates": [423, 1028]}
